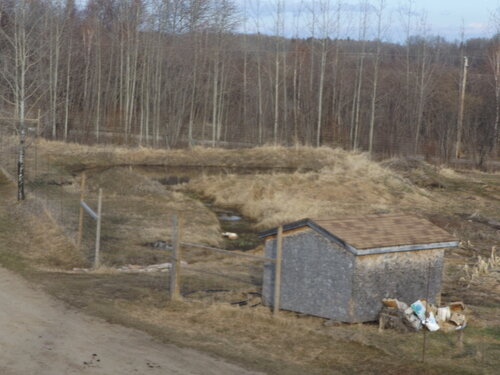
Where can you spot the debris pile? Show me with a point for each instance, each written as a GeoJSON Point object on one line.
{"type": "Point", "coordinates": [398, 315]}
{"type": "Point", "coordinates": [132, 268]}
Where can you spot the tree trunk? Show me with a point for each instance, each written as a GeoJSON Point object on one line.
{"type": "Point", "coordinates": [276, 94]}
{"type": "Point", "coordinates": [68, 82]}
{"type": "Point", "coordinates": [260, 99]}
{"type": "Point", "coordinates": [375, 75]}
{"type": "Point", "coordinates": [358, 101]}
{"type": "Point", "coordinates": [215, 96]}
{"type": "Point", "coordinates": [193, 92]}
{"type": "Point", "coordinates": [461, 108]}
{"type": "Point", "coordinates": [321, 89]}
{"type": "Point", "coordinates": [421, 99]}
{"type": "Point", "coordinates": [374, 100]}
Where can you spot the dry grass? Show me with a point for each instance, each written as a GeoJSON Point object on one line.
{"type": "Point", "coordinates": [351, 184]}
{"type": "Point", "coordinates": [330, 182]}
{"type": "Point", "coordinates": [79, 157]}
{"type": "Point", "coordinates": [29, 232]}
{"type": "Point", "coordinates": [137, 211]}
{"type": "Point", "coordinates": [52, 246]}
{"type": "Point", "coordinates": [307, 344]}
{"type": "Point", "coordinates": [288, 344]}
{"type": "Point", "coordinates": [478, 282]}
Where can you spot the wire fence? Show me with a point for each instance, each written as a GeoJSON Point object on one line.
{"type": "Point", "coordinates": [226, 279]}
{"type": "Point", "coordinates": [221, 276]}
{"type": "Point", "coordinates": [44, 181]}
{"type": "Point", "coordinates": [136, 233]}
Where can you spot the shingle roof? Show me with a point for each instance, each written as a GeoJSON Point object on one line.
{"type": "Point", "coordinates": [377, 232]}
{"type": "Point", "coordinates": [367, 232]}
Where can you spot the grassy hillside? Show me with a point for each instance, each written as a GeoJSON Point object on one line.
{"type": "Point", "coordinates": [346, 184]}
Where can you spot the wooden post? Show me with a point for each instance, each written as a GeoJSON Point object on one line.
{"type": "Point", "coordinates": [424, 330]}
{"type": "Point", "coordinates": [98, 231]}
{"type": "Point", "coordinates": [381, 322]}
{"type": "Point", "coordinates": [36, 142]}
{"type": "Point", "coordinates": [38, 124]}
{"type": "Point", "coordinates": [176, 258]}
{"type": "Point", "coordinates": [460, 339]}
{"type": "Point", "coordinates": [277, 271]}
{"type": "Point", "coordinates": [80, 222]}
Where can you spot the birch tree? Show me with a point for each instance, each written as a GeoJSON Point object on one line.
{"type": "Point", "coordinates": [359, 83]}
{"type": "Point", "coordinates": [279, 26]}
{"type": "Point", "coordinates": [376, 65]}
{"type": "Point", "coordinates": [494, 60]}
{"type": "Point", "coordinates": [325, 25]}
{"type": "Point", "coordinates": [20, 30]}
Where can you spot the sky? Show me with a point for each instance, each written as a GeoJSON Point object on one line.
{"type": "Point", "coordinates": [442, 17]}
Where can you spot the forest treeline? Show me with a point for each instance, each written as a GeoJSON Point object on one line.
{"type": "Point", "coordinates": [174, 73]}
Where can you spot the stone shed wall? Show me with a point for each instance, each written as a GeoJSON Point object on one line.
{"type": "Point", "coordinates": [403, 275]}
{"type": "Point", "coordinates": [316, 275]}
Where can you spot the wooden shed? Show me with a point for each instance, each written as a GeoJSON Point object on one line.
{"type": "Point", "coordinates": [341, 269]}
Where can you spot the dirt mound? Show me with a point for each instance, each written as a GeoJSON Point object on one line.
{"type": "Point", "coordinates": [77, 158]}
{"type": "Point", "coordinates": [419, 172]}
{"type": "Point", "coordinates": [123, 181]}
{"type": "Point", "coordinates": [351, 184]}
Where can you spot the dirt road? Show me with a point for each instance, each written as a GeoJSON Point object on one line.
{"type": "Point", "coordinates": [39, 335]}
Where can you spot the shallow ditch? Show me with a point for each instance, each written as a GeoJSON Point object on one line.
{"type": "Point", "coordinates": [230, 218]}
{"type": "Point", "coordinates": [232, 221]}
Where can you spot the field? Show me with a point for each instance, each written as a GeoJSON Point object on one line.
{"type": "Point", "coordinates": [266, 186]}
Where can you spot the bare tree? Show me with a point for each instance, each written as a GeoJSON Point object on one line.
{"type": "Point", "coordinates": [70, 15]}
{"type": "Point", "coordinates": [460, 120]}
{"type": "Point", "coordinates": [279, 26]}
{"type": "Point", "coordinates": [325, 28]}
{"type": "Point", "coordinates": [166, 72]}
{"type": "Point", "coordinates": [376, 66]}
{"type": "Point", "coordinates": [494, 59]}
{"type": "Point", "coordinates": [20, 30]}
{"type": "Point", "coordinates": [359, 83]}
{"type": "Point", "coordinates": [424, 77]}
{"type": "Point", "coordinates": [336, 115]}
{"type": "Point", "coordinates": [407, 16]}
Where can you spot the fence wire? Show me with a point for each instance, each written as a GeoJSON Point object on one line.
{"type": "Point", "coordinates": [135, 234]}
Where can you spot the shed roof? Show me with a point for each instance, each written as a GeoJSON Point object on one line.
{"type": "Point", "coordinates": [378, 233]}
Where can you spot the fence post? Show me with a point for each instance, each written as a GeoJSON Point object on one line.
{"type": "Point", "coordinates": [460, 339]}
{"type": "Point", "coordinates": [37, 137]}
{"type": "Point", "coordinates": [98, 231]}
{"type": "Point", "coordinates": [38, 124]}
{"type": "Point", "coordinates": [80, 222]}
{"type": "Point", "coordinates": [277, 271]}
{"type": "Point", "coordinates": [176, 258]}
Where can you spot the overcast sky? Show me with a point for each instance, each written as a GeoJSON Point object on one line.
{"type": "Point", "coordinates": [443, 17]}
